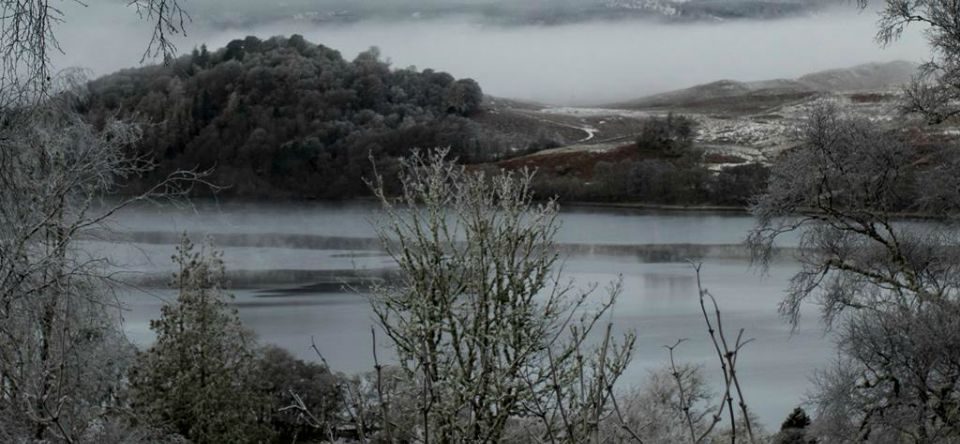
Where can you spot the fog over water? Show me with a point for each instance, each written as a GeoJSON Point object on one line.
{"type": "Point", "coordinates": [278, 283]}
{"type": "Point", "coordinates": [586, 63]}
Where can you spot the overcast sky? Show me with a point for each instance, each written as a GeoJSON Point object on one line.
{"type": "Point", "coordinates": [569, 64]}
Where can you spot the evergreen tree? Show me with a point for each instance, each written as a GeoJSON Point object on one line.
{"type": "Point", "coordinates": [794, 429]}
{"type": "Point", "coordinates": [198, 378]}
{"type": "Point", "coordinates": [204, 57]}
{"type": "Point", "coordinates": [797, 419]}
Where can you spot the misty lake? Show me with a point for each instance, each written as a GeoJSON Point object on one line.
{"type": "Point", "coordinates": [284, 262]}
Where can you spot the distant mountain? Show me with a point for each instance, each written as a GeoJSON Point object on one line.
{"type": "Point", "coordinates": [861, 77]}
{"type": "Point", "coordinates": [756, 94]}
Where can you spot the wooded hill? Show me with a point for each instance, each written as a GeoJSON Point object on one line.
{"type": "Point", "coordinates": [285, 117]}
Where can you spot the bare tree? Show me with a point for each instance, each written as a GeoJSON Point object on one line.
{"type": "Point", "coordinates": [28, 40]}
{"type": "Point", "coordinates": [480, 318]}
{"type": "Point", "coordinates": [841, 193]}
{"type": "Point", "coordinates": [935, 90]}
{"type": "Point", "coordinates": [672, 406]}
{"type": "Point", "coordinates": [676, 405]}
{"type": "Point", "coordinates": [888, 285]}
{"type": "Point", "coordinates": [898, 379]}
{"type": "Point", "coordinates": [62, 355]}
{"type": "Point", "coordinates": [55, 170]}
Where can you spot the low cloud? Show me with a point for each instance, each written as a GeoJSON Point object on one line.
{"type": "Point", "coordinates": [570, 64]}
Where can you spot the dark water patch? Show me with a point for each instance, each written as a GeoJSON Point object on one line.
{"type": "Point", "coordinates": [359, 254]}
{"type": "Point", "coordinates": [317, 300]}
{"type": "Point", "coordinates": [297, 281]}
{"type": "Point", "coordinates": [257, 240]}
{"type": "Point", "coordinates": [668, 253]}
{"type": "Point", "coordinates": [344, 284]}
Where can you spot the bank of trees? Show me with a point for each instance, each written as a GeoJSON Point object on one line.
{"type": "Point", "coordinates": [670, 136]}
{"type": "Point", "coordinates": [666, 170]}
{"type": "Point", "coordinates": [283, 116]}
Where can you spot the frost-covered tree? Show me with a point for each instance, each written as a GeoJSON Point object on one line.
{"type": "Point", "coordinates": [279, 377]}
{"type": "Point", "coordinates": [672, 135]}
{"type": "Point", "coordinates": [658, 410]}
{"type": "Point", "coordinates": [198, 378]}
{"type": "Point", "coordinates": [463, 97]}
{"type": "Point", "coordinates": [935, 91]}
{"type": "Point", "coordinates": [888, 286]}
{"type": "Point", "coordinates": [62, 353]}
{"type": "Point", "coordinates": [28, 39]}
{"type": "Point", "coordinates": [480, 317]}
{"type": "Point", "coordinates": [897, 379]}
{"type": "Point", "coordinates": [841, 191]}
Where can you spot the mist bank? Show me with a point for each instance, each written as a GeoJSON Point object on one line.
{"type": "Point", "coordinates": [577, 64]}
{"type": "Point", "coordinates": [496, 12]}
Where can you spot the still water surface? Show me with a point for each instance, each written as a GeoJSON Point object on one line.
{"type": "Point", "coordinates": [277, 255]}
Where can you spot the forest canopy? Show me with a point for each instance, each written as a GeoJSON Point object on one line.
{"type": "Point", "coordinates": [285, 117]}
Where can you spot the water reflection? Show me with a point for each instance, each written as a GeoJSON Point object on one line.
{"type": "Point", "coordinates": [288, 264]}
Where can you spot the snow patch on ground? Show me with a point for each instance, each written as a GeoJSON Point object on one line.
{"type": "Point", "coordinates": [754, 138]}
{"type": "Point", "coordinates": [599, 112]}
{"type": "Point", "coordinates": [591, 132]}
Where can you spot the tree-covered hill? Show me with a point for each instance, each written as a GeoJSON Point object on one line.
{"type": "Point", "coordinates": [285, 117]}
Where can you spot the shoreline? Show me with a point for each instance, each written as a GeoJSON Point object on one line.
{"type": "Point", "coordinates": [369, 200]}
{"type": "Point", "coordinates": [658, 207]}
